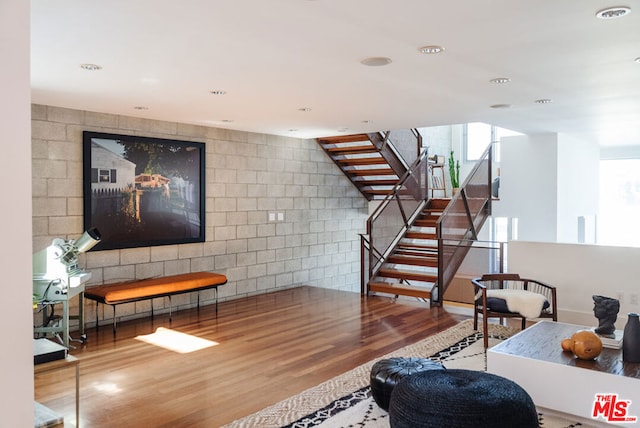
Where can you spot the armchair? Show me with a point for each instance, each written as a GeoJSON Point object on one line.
{"type": "Point", "coordinates": [506, 295]}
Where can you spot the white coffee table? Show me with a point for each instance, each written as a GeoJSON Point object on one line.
{"type": "Point", "coordinates": [557, 380]}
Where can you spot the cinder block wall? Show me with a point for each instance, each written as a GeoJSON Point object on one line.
{"type": "Point", "coordinates": [247, 176]}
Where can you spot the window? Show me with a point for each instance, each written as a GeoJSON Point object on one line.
{"type": "Point", "coordinates": [479, 135]}
{"type": "Point", "coordinates": [103, 175]}
{"type": "Point", "coordinates": [619, 209]}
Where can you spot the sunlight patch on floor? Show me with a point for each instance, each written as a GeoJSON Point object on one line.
{"type": "Point", "coordinates": [175, 341]}
{"type": "Point", "coordinates": [107, 388]}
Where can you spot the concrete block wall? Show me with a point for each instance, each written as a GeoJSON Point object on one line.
{"type": "Point", "coordinates": [248, 175]}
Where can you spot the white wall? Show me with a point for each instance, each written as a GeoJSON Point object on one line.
{"type": "Point", "coordinates": [579, 271]}
{"type": "Point", "coordinates": [578, 184]}
{"type": "Point", "coordinates": [528, 185]}
{"type": "Point", "coordinates": [16, 358]}
{"type": "Point", "coordinates": [547, 182]}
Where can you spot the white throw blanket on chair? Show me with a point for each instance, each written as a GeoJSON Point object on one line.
{"type": "Point", "coordinates": [526, 303]}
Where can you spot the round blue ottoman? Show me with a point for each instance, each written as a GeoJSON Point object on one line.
{"type": "Point", "coordinates": [385, 375]}
{"type": "Point", "coordinates": [456, 398]}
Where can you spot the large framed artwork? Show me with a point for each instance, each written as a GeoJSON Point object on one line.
{"type": "Point", "coordinates": [143, 191]}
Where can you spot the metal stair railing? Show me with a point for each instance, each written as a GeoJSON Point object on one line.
{"type": "Point", "coordinates": [460, 222]}
{"type": "Point", "coordinates": [396, 212]}
{"type": "Point", "coordinates": [400, 148]}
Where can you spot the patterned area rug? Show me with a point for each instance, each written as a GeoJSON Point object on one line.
{"type": "Point", "coordinates": [345, 401]}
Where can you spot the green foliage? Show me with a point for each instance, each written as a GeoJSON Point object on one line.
{"type": "Point", "coordinates": [454, 171]}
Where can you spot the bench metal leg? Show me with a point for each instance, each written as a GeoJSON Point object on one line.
{"type": "Point", "coordinates": [114, 319]}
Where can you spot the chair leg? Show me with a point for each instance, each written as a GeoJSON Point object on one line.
{"type": "Point", "coordinates": [475, 320]}
{"type": "Point", "coordinates": [485, 331]}
{"type": "Point", "coordinates": [524, 323]}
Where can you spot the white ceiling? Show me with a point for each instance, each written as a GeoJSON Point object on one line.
{"type": "Point", "coordinates": [274, 57]}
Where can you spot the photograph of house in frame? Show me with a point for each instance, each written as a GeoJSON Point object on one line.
{"type": "Point", "coordinates": [143, 191]}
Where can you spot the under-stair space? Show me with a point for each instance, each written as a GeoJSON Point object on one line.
{"type": "Point", "coordinates": [363, 162]}
{"type": "Point", "coordinates": [411, 268]}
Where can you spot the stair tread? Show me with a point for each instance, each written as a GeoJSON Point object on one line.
{"type": "Point", "coordinates": [415, 252]}
{"type": "Point", "coordinates": [375, 182]}
{"type": "Point", "coordinates": [361, 161]}
{"type": "Point", "coordinates": [426, 249]}
{"type": "Point", "coordinates": [403, 289]}
{"type": "Point", "coordinates": [352, 149]}
{"type": "Point", "coordinates": [344, 138]}
{"type": "Point", "coordinates": [377, 191]}
{"type": "Point", "coordinates": [412, 234]}
{"type": "Point", "coordinates": [413, 260]}
{"type": "Point", "coordinates": [404, 274]}
{"type": "Point", "coordinates": [371, 171]}
{"type": "Point", "coordinates": [419, 245]}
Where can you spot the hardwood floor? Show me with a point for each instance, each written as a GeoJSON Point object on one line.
{"type": "Point", "coordinates": [268, 348]}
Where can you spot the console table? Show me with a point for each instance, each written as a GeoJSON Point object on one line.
{"type": "Point", "coordinates": [559, 381]}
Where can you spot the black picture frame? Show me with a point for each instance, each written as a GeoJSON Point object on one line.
{"type": "Point", "coordinates": [143, 191]}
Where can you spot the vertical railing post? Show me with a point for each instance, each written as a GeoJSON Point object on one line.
{"type": "Point", "coordinates": [362, 267]}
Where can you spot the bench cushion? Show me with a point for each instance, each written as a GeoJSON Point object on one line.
{"type": "Point", "coordinates": [131, 291]}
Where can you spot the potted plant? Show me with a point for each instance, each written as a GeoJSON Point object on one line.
{"type": "Point", "coordinates": [454, 173]}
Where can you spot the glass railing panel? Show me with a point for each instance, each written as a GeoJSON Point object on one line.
{"type": "Point", "coordinates": [464, 216]}
{"type": "Point", "coordinates": [391, 219]}
{"type": "Point", "coordinates": [482, 256]}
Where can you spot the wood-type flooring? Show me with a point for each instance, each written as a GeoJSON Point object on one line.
{"type": "Point", "coordinates": [261, 349]}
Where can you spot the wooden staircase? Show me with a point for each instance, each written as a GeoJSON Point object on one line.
{"type": "Point", "coordinates": [363, 162]}
{"type": "Point", "coordinates": [411, 269]}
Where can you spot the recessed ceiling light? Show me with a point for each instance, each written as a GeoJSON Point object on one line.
{"type": "Point", "coordinates": [367, 121]}
{"type": "Point", "coordinates": [431, 49]}
{"type": "Point", "coordinates": [141, 108]}
{"type": "Point", "coordinates": [637, 60]}
{"type": "Point", "coordinates": [500, 106]}
{"type": "Point", "coordinates": [543, 101]}
{"type": "Point", "coordinates": [218, 92]}
{"type": "Point", "coordinates": [376, 61]}
{"type": "Point", "coordinates": [613, 12]}
{"type": "Point", "coordinates": [305, 109]}
{"type": "Point", "coordinates": [500, 80]}
{"type": "Point", "coordinates": [343, 129]}
{"type": "Point", "coordinates": [227, 120]}
{"type": "Point", "coordinates": [90, 67]}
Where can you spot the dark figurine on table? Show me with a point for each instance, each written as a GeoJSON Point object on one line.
{"type": "Point", "coordinates": [606, 310]}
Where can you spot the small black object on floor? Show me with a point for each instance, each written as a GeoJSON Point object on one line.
{"type": "Point", "coordinates": [461, 399]}
{"type": "Point", "coordinates": [385, 375]}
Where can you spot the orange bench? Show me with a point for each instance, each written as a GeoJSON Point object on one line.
{"type": "Point", "coordinates": [142, 289]}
